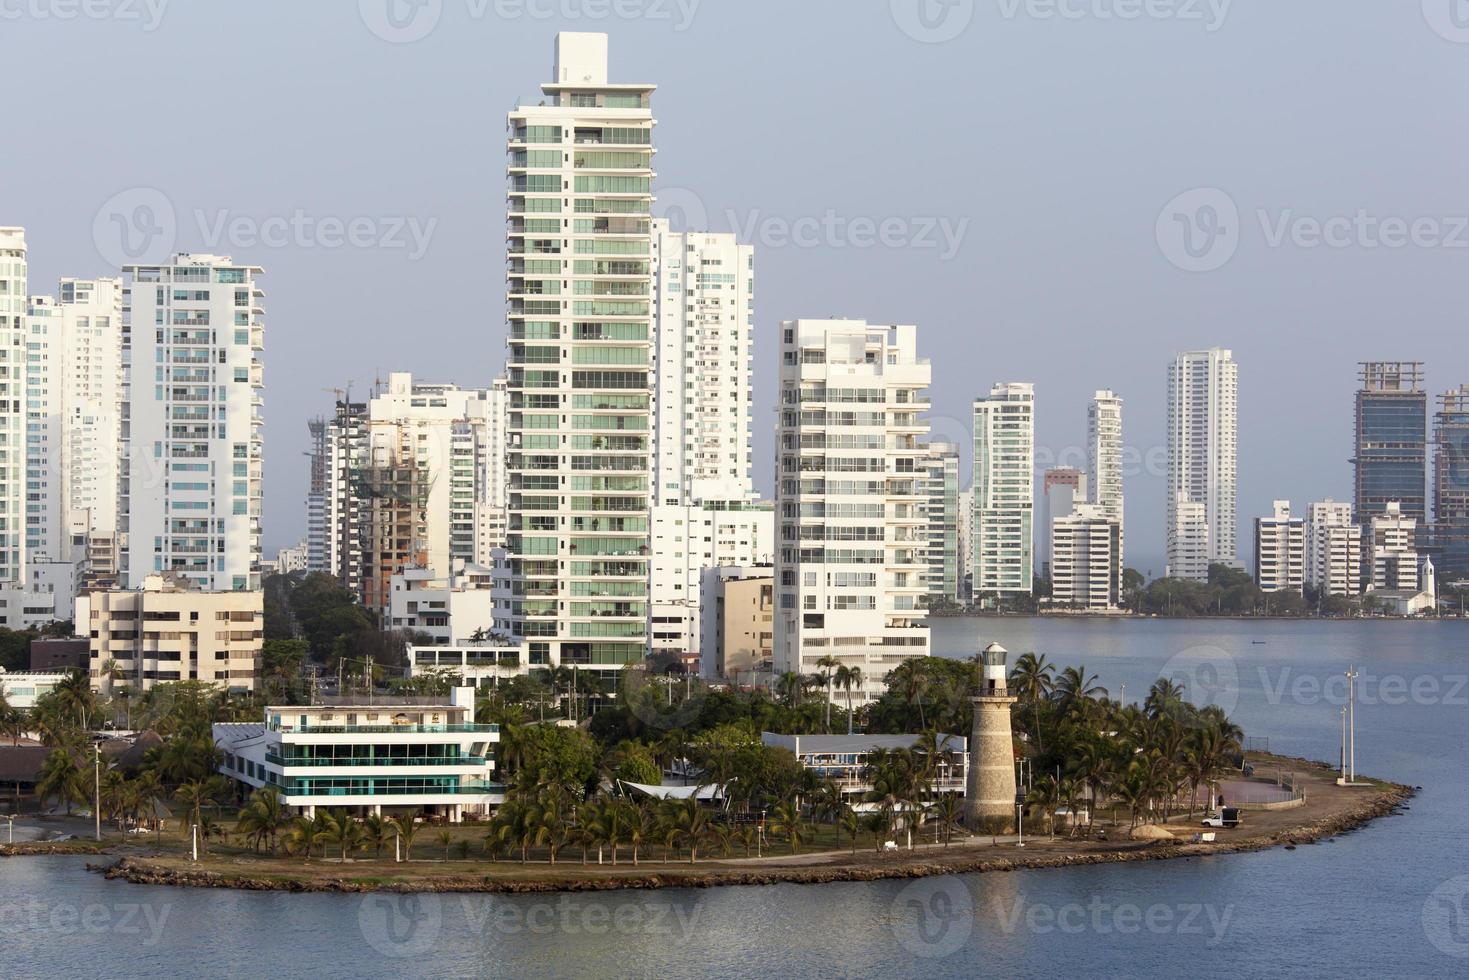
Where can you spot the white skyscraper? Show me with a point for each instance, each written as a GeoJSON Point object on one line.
{"type": "Point", "coordinates": [1104, 452]}
{"type": "Point", "coordinates": [1392, 552]}
{"type": "Point", "coordinates": [941, 509]}
{"type": "Point", "coordinates": [1203, 422]}
{"type": "Point", "coordinates": [1004, 489]}
{"type": "Point", "coordinates": [704, 324]}
{"type": "Point", "coordinates": [1280, 550]}
{"type": "Point", "coordinates": [192, 442]}
{"type": "Point", "coordinates": [851, 562]}
{"type": "Point", "coordinates": [73, 424]}
{"type": "Point", "coordinates": [13, 294]}
{"type": "Point", "coordinates": [1333, 549]}
{"type": "Point", "coordinates": [580, 367]}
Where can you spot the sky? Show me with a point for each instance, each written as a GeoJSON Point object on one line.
{"type": "Point", "coordinates": [1065, 192]}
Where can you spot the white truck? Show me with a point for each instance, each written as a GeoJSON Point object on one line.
{"type": "Point", "coordinates": [1226, 816]}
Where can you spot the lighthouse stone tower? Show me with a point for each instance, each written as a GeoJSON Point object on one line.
{"type": "Point", "coordinates": [989, 803]}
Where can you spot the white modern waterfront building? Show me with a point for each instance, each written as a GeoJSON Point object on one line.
{"type": "Point", "coordinates": [579, 376]}
{"type": "Point", "coordinates": [1104, 454]}
{"type": "Point", "coordinates": [851, 552]}
{"type": "Point", "coordinates": [1333, 549]}
{"type": "Point", "coordinates": [1004, 490]}
{"type": "Point", "coordinates": [394, 756]}
{"type": "Point", "coordinates": [704, 325]}
{"type": "Point", "coordinates": [1086, 562]}
{"type": "Point", "coordinates": [1280, 550]}
{"type": "Point", "coordinates": [13, 283]}
{"type": "Point", "coordinates": [191, 485]}
{"type": "Point", "coordinates": [1203, 424]}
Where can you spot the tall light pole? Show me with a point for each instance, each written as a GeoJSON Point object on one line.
{"type": "Point", "coordinates": [1341, 754]}
{"type": "Point", "coordinates": [1352, 723]}
{"type": "Point", "coordinates": [97, 789]}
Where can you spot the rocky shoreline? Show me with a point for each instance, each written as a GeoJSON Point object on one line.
{"type": "Point", "coordinates": [33, 847]}
{"type": "Point", "coordinates": [1382, 803]}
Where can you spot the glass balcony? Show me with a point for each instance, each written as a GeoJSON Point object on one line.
{"type": "Point", "coordinates": [378, 760]}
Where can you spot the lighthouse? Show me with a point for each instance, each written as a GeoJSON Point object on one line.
{"type": "Point", "coordinates": [989, 803]}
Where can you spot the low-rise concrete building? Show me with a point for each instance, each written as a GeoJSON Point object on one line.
{"type": "Point", "coordinates": [842, 758]}
{"type": "Point", "coordinates": [398, 755]}
{"type": "Point", "coordinates": [737, 628]}
{"type": "Point", "coordinates": [23, 688]}
{"type": "Point", "coordinates": [480, 664]}
{"type": "Point", "coordinates": [169, 631]}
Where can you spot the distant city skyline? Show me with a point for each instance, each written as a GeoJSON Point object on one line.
{"type": "Point", "coordinates": [1298, 318]}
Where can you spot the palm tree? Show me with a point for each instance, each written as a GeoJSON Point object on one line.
{"type": "Point", "coordinates": [376, 831]}
{"type": "Point", "coordinates": [303, 836]}
{"type": "Point", "coordinates": [60, 777]}
{"type": "Point", "coordinates": [196, 794]}
{"type": "Point", "coordinates": [949, 809]}
{"type": "Point", "coordinates": [785, 820]}
{"type": "Point", "coordinates": [848, 677]}
{"type": "Point", "coordinates": [828, 664]}
{"type": "Point", "coordinates": [789, 687]}
{"type": "Point", "coordinates": [1032, 680]}
{"type": "Point", "coordinates": [851, 823]}
{"type": "Point", "coordinates": [1077, 686]}
{"type": "Point", "coordinates": [687, 821]}
{"type": "Point", "coordinates": [405, 828]}
{"type": "Point", "coordinates": [343, 831]}
{"type": "Point", "coordinates": [641, 826]}
{"type": "Point", "coordinates": [1092, 766]}
{"type": "Point", "coordinates": [1165, 699]}
{"type": "Point", "coordinates": [446, 840]}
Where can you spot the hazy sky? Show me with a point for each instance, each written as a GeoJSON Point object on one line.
{"type": "Point", "coordinates": [998, 172]}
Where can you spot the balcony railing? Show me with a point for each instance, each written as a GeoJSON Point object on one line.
{"type": "Point", "coordinates": [378, 760]}
{"type": "Point", "coordinates": [382, 729]}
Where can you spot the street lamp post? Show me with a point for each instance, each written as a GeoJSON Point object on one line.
{"type": "Point", "coordinates": [97, 789]}
{"type": "Point", "coordinates": [1352, 675]}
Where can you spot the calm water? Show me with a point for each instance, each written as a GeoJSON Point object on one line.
{"type": "Point", "coordinates": [1384, 901]}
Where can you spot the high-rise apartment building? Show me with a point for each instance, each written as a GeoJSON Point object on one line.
{"type": "Point", "coordinates": [13, 282]}
{"type": "Point", "coordinates": [191, 481]}
{"type": "Point", "coordinates": [1004, 490]}
{"type": "Point", "coordinates": [1392, 551]}
{"type": "Point", "coordinates": [1104, 452]}
{"type": "Point", "coordinates": [317, 488]}
{"type": "Point", "coordinates": [345, 449]}
{"type": "Point", "coordinates": [1280, 550]}
{"type": "Point", "coordinates": [1086, 562]}
{"type": "Point", "coordinates": [1451, 484]}
{"type": "Point", "coordinates": [941, 510]}
{"type": "Point", "coordinates": [1333, 549]}
{"type": "Point", "coordinates": [1203, 424]}
{"type": "Point", "coordinates": [1391, 458]}
{"type": "Point", "coordinates": [851, 548]}
{"type": "Point", "coordinates": [1062, 488]}
{"type": "Point", "coordinates": [579, 377]}
{"type": "Point", "coordinates": [704, 325]}
{"type": "Point", "coordinates": [966, 542]}
{"type": "Point", "coordinates": [73, 420]}
{"type": "Point", "coordinates": [1188, 539]}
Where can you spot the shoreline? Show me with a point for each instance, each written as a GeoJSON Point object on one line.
{"type": "Point", "coordinates": [963, 858]}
